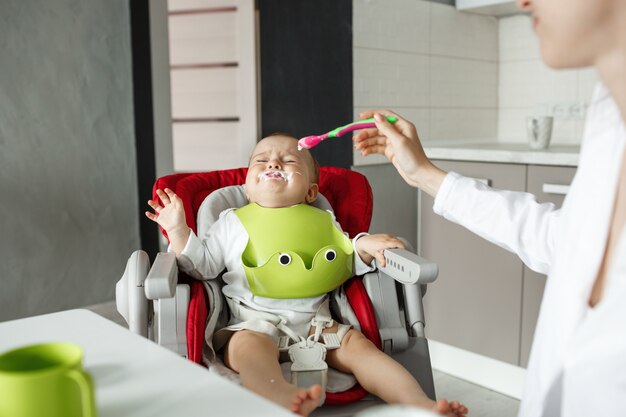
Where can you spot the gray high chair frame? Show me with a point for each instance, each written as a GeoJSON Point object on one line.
{"type": "Point", "coordinates": [154, 304]}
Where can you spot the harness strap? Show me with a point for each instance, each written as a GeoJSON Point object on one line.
{"type": "Point", "coordinates": [245, 313]}
{"type": "Point", "coordinates": [321, 320]}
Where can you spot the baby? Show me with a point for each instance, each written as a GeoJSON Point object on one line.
{"type": "Point", "coordinates": [281, 179]}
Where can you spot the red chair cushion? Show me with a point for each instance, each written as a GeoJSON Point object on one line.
{"type": "Point", "coordinates": [193, 188]}
{"type": "Point", "coordinates": [350, 196]}
{"type": "Point", "coordinates": [348, 193]}
{"type": "Point", "coordinates": [197, 313]}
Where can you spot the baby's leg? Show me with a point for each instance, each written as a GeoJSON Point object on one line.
{"type": "Point", "coordinates": [359, 356]}
{"type": "Point", "coordinates": [255, 357]}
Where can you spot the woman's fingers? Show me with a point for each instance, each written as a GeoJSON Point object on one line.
{"type": "Point", "coordinates": [385, 127]}
{"type": "Point", "coordinates": [374, 149]}
{"type": "Point", "coordinates": [365, 134]}
{"type": "Point", "coordinates": [366, 114]}
{"type": "Point", "coordinates": [375, 140]}
{"type": "Point", "coordinates": [402, 125]}
{"type": "Point", "coordinates": [370, 113]}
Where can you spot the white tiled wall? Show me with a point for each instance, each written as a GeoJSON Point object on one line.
{"type": "Point", "coordinates": [528, 87]}
{"type": "Point", "coordinates": [432, 64]}
{"type": "Point", "coordinates": [460, 76]}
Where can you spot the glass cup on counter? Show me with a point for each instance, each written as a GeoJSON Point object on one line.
{"type": "Point", "coordinates": [539, 131]}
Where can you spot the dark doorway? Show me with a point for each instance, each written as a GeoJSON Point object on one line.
{"type": "Point", "coordinates": [306, 72]}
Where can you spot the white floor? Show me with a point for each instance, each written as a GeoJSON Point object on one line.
{"type": "Point", "coordinates": [481, 402]}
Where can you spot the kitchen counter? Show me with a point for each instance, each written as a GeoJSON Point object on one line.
{"type": "Point", "coordinates": [511, 153]}
{"type": "Point", "coordinates": [485, 151]}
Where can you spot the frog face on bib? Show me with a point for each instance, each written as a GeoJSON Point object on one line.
{"type": "Point", "coordinates": [294, 252]}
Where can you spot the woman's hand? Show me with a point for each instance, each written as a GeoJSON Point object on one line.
{"type": "Point", "coordinates": [372, 246]}
{"type": "Point", "coordinates": [171, 217]}
{"type": "Point", "coordinates": [400, 144]}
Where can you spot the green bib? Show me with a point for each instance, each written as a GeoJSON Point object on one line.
{"type": "Point", "coordinates": [293, 252]}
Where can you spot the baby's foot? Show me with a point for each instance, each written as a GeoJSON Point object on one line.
{"type": "Point", "coordinates": [450, 409]}
{"type": "Point", "coordinates": [307, 400]}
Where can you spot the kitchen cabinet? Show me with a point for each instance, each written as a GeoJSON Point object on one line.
{"type": "Point", "coordinates": [485, 300]}
{"type": "Point", "coordinates": [395, 202]}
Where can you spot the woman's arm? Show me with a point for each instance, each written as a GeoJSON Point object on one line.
{"type": "Point", "coordinates": [512, 220]}
{"type": "Point", "coordinates": [401, 145]}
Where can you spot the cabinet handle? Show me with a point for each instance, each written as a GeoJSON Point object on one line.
{"type": "Point", "coordinates": [485, 181]}
{"type": "Point", "coordinates": [555, 189]}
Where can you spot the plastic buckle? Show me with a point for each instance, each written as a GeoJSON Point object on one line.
{"type": "Point", "coordinates": [321, 322]}
{"type": "Point", "coordinates": [283, 342]}
{"type": "Point", "coordinates": [331, 340]}
{"type": "Point", "coordinates": [308, 367]}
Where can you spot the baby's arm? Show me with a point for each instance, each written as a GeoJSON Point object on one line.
{"type": "Point", "coordinates": [171, 217]}
{"type": "Point", "coordinates": [372, 246]}
{"type": "Point", "coordinates": [201, 259]}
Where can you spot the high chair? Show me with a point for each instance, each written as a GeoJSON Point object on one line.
{"type": "Point", "coordinates": [173, 309]}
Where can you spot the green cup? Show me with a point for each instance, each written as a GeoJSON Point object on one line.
{"type": "Point", "coordinates": [45, 380]}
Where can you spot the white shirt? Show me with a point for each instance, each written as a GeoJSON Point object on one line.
{"type": "Point", "coordinates": [222, 246]}
{"type": "Point", "coordinates": [577, 365]}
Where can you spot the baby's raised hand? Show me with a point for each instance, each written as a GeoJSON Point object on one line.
{"type": "Point", "coordinates": [373, 246]}
{"type": "Point", "coordinates": [170, 216]}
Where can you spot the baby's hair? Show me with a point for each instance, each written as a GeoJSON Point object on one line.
{"type": "Point", "coordinates": [316, 165]}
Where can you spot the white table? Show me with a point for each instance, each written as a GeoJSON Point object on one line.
{"type": "Point", "coordinates": [134, 376]}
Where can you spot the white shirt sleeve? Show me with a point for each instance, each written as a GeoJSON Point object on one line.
{"type": "Point", "coordinates": [204, 258]}
{"type": "Point", "coordinates": [512, 220]}
{"type": "Point", "coordinates": [359, 267]}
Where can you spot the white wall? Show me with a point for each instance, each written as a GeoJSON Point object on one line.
{"type": "Point", "coordinates": [68, 185]}
{"type": "Point", "coordinates": [528, 87]}
{"type": "Point", "coordinates": [461, 76]}
{"type": "Point", "coordinates": [430, 63]}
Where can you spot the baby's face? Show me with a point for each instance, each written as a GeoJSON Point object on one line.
{"type": "Point", "coordinates": [279, 175]}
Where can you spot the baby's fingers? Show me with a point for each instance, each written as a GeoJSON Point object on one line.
{"type": "Point", "coordinates": [380, 258]}
{"type": "Point", "coordinates": [151, 216]}
{"type": "Point", "coordinates": [155, 206]}
{"type": "Point", "coordinates": [165, 199]}
{"type": "Point", "coordinates": [396, 243]}
{"type": "Point", "coordinates": [172, 195]}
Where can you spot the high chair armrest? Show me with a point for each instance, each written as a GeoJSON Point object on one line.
{"type": "Point", "coordinates": [162, 278]}
{"type": "Point", "coordinates": [400, 318]}
{"type": "Point", "coordinates": [408, 268]}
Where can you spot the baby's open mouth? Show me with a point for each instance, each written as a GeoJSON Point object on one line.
{"type": "Point", "coordinates": [274, 174]}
